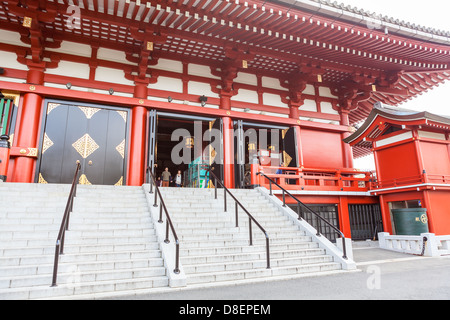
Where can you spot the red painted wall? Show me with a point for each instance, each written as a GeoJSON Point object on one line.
{"type": "Point", "coordinates": [398, 162]}
{"type": "Point", "coordinates": [435, 158]}
{"type": "Point", "coordinates": [321, 149]}
{"type": "Point", "coordinates": [438, 211]}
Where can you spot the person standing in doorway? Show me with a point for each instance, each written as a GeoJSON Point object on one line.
{"type": "Point", "coordinates": [166, 177]}
{"type": "Point", "coordinates": [178, 180]}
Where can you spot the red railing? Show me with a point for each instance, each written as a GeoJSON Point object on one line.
{"type": "Point", "coordinates": [314, 178]}
{"type": "Point", "coordinates": [412, 180]}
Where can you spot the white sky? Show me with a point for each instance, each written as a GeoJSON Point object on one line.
{"type": "Point", "coordinates": [428, 13]}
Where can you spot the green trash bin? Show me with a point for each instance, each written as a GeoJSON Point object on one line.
{"type": "Point", "coordinates": [410, 222]}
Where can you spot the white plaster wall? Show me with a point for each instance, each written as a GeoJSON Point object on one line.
{"type": "Point", "coordinates": [246, 96]}
{"type": "Point", "coordinates": [168, 84]}
{"type": "Point", "coordinates": [273, 100]}
{"type": "Point", "coordinates": [200, 88]}
{"type": "Point", "coordinates": [272, 83]}
{"type": "Point", "coordinates": [71, 69]}
{"type": "Point", "coordinates": [9, 60]}
{"type": "Point", "coordinates": [246, 78]}
{"type": "Point", "coordinates": [200, 70]}
{"type": "Point", "coordinates": [309, 90]}
{"type": "Point", "coordinates": [74, 48]}
{"type": "Point", "coordinates": [112, 75]}
{"type": "Point", "coordinates": [11, 37]}
{"type": "Point", "coordinates": [327, 107]}
{"type": "Point", "coordinates": [309, 105]}
{"type": "Point", "coordinates": [112, 55]}
{"type": "Point", "coordinates": [169, 65]}
{"type": "Point", "coordinates": [326, 92]}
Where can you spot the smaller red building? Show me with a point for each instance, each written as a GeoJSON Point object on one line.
{"type": "Point", "coordinates": [412, 158]}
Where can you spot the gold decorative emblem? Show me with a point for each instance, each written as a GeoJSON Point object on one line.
{"type": "Point", "coordinates": [32, 152]}
{"type": "Point", "coordinates": [89, 112]}
{"type": "Point", "coordinates": [287, 158]}
{"type": "Point", "coordinates": [84, 180]}
{"type": "Point", "coordinates": [121, 148]}
{"type": "Point", "coordinates": [41, 179]}
{"type": "Point", "coordinates": [120, 182]}
{"type": "Point", "coordinates": [52, 106]}
{"type": "Point", "coordinates": [123, 114]}
{"type": "Point", "coordinates": [46, 144]}
{"type": "Point", "coordinates": [27, 22]}
{"type": "Point", "coordinates": [424, 219]}
{"type": "Point", "coordinates": [85, 146]}
{"type": "Point", "coordinates": [141, 101]}
{"type": "Point", "coordinates": [32, 88]}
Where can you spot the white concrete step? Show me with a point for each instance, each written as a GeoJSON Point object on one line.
{"type": "Point", "coordinates": [110, 246]}
{"type": "Point", "coordinates": [213, 249]}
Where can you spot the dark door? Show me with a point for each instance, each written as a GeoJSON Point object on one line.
{"type": "Point", "coordinates": [290, 149]}
{"type": "Point", "coordinates": [327, 211]}
{"type": "Point", "coordinates": [94, 136]}
{"type": "Point", "coordinates": [239, 155]}
{"type": "Point", "coordinates": [365, 221]}
{"type": "Point", "coordinates": [152, 132]}
{"type": "Point", "coordinates": [215, 138]}
{"type": "Point", "coordinates": [6, 108]}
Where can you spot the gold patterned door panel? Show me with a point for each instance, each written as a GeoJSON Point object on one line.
{"type": "Point", "coordinates": [92, 135]}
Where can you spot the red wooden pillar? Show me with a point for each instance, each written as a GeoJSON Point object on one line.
{"type": "Point", "coordinates": [346, 148]}
{"type": "Point", "coordinates": [28, 127]}
{"type": "Point", "coordinates": [228, 142]}
{"type": "Point", "coordinates": [136, 164]}
{"type": "Point", "coordinates": [228, 152]}
{"type": "Point", "coordinates": [344, 217]}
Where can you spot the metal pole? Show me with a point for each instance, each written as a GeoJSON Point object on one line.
{"type": "Point", "coordinates": [236, 211]}
{"type": "Point", "coordinates": [225, 198]}
{"type": "Point", "coordinates": [250, 230]}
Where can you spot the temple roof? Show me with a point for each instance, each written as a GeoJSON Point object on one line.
{"type": "Point", "coordinates": [390, 59]}
{"type": "Point", "coordinates": [382, 117]}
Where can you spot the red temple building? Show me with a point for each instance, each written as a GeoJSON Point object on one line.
{"type": "Point", "coordinates": [412, 157]}
{"type": "Point", "coordinates": [106, 83]}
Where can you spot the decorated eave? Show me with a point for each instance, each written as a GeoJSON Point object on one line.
{"type": "Point", "coordinates": [383, 117]}
{"type": "Point", "coordinates": [310, 40]}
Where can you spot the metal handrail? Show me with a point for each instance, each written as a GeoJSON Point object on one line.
{"type": "Point", "coordinates": [239, 204]}
{"type": "Point", "coordinates": [300, 203]}
{"type": "Point", "coordinates": [59, 247]}
{"type": "Point", "coordinates": [169, 221]}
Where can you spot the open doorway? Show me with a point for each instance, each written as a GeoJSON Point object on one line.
{"type": "Point", "coordinates": [263, 144]}
{"type": "Point", "coordinates": [176, 142]}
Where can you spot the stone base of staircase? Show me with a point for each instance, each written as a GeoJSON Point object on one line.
{"type": "Point", "coordinates": [111, 244]}
{"type": "Point", "coordinates": [115, 244]}
{"type": "Point", "coordinates": [214, 251]}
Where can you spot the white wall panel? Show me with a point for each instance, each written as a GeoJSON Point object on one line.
{"type": "Point", "coordinates": [70, 69]}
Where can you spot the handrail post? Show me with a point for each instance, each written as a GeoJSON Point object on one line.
{"type": "Point", "coordinates": [59, 247]}
{"type": "Point", "coordinates": [237, 215]}
{"type": "Point", "coordinates": [284, 199]}
{"type": "Point", "coordinates": [177, 258]}
{"type": "Point", "coordinates": [267, 251]}
{"type": "Point", "coordinates": [250, 230]}
{"type": "Point", "coordinates": [155, 202]}
{"type": "Point", "coordinates": [167, 231]}
{"type": "Point", "coordinates": [55, 264]}
{"type": "Point", "coordinates": [318, 217]}
{"type": "Point", "coordinates": [160, 214]}
{"type": "Point", "coordinates": [215, 188]}
{"type": "Point", "coordinates": [225, 199]}
{"type": "Point", "coordinates": [270, 186]}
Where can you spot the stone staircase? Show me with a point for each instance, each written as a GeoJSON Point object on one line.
{"type": "Point", "coordinates": [115, 246]}
{"type": "Point", "coordinates": [214, 250]}
{"type": "Point", "coordinates": [110, 247]}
